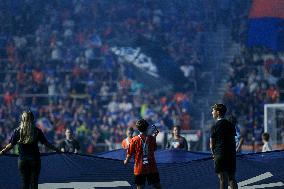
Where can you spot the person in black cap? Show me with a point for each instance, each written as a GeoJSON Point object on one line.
{"type": "Point", "coordinates": [27, 136]}
{"type": "Point", "coordinates": [223, 147]}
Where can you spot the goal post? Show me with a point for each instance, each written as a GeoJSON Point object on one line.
{"type": "Point", "coordinates": [274, 123]}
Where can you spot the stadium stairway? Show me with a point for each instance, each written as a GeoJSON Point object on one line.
{"type": "Point", "coordinates": [219, 50]}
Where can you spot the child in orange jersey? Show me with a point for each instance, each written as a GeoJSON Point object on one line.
{"type": "Point", "coordinates": [142, 147]}
{"type": "Point", "coordinates": [126, 142]}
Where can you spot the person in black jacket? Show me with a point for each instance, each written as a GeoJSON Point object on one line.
{"type": "Point", "coordinates": [223, 147]}
{"type": "Point", "coordinates": [27, 137]}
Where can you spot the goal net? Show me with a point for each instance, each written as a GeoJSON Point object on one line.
{"type": "Point", "coordinates": [274, 124]}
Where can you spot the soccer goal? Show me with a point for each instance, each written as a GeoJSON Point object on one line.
{"type": "Point", "coordinates": [274, 123]}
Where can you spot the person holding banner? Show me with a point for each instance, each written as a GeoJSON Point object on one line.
{"type": "Point", "coordinates": [223, 146]}
{"type": "Point", "coordinates": [126, 142]}
{"type": "Point", "coordinates": [27, 136]}
{"type": "Point", "coordinates": [142, 147]}
{"type": "Point", "coordinates": [177, 141]}
{"type": "Point", "coordinates": [266, 145]}
{"type": "Point", "coordinates": [70, 144]}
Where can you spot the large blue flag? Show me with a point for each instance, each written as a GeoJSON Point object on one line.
{"type": "Point", "coordinates": [67, 171]}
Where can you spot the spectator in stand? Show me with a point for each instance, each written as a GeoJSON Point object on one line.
{"type": "Point", "coordinates": [27, 136]}
{"type": "Point", "coordinates": [126, 142]}
{"type": "Point", "coordinates": [177, 141]}
{"type": "Point", "coordinates": [70, 144]}
{"type": "Point", "coordinates": [68, 53]}
{"type": "Point", "coordinates": [266, 145]}
{"type": "Point", "coordinates": [259, 79]}
{"type": "Point", "coordinates": [272, 94]}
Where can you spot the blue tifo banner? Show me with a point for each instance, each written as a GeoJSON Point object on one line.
{"type": "Point", "coordinates": [162, 156]}
{"type": "Point", "coordinates": [67, 171]}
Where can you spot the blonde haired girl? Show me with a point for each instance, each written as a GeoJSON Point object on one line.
{"type": "Point", "coordinates": [27, 137]}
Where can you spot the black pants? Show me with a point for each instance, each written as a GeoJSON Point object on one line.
{"type": "Point", "coordinates": [29, 170]}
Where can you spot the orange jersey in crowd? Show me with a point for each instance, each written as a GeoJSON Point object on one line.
{"type": "Point", "coordinates": [126, 142]}
{"type": "Point", "coordinates": [136, 149]}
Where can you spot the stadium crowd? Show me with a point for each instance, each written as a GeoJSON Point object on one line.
{"type": "Point", "coordinates": [255, 75]}
{"type": "Point", "coordinates": [55, 60]}
{"type": "Point", "coordinates": [255, 80]}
